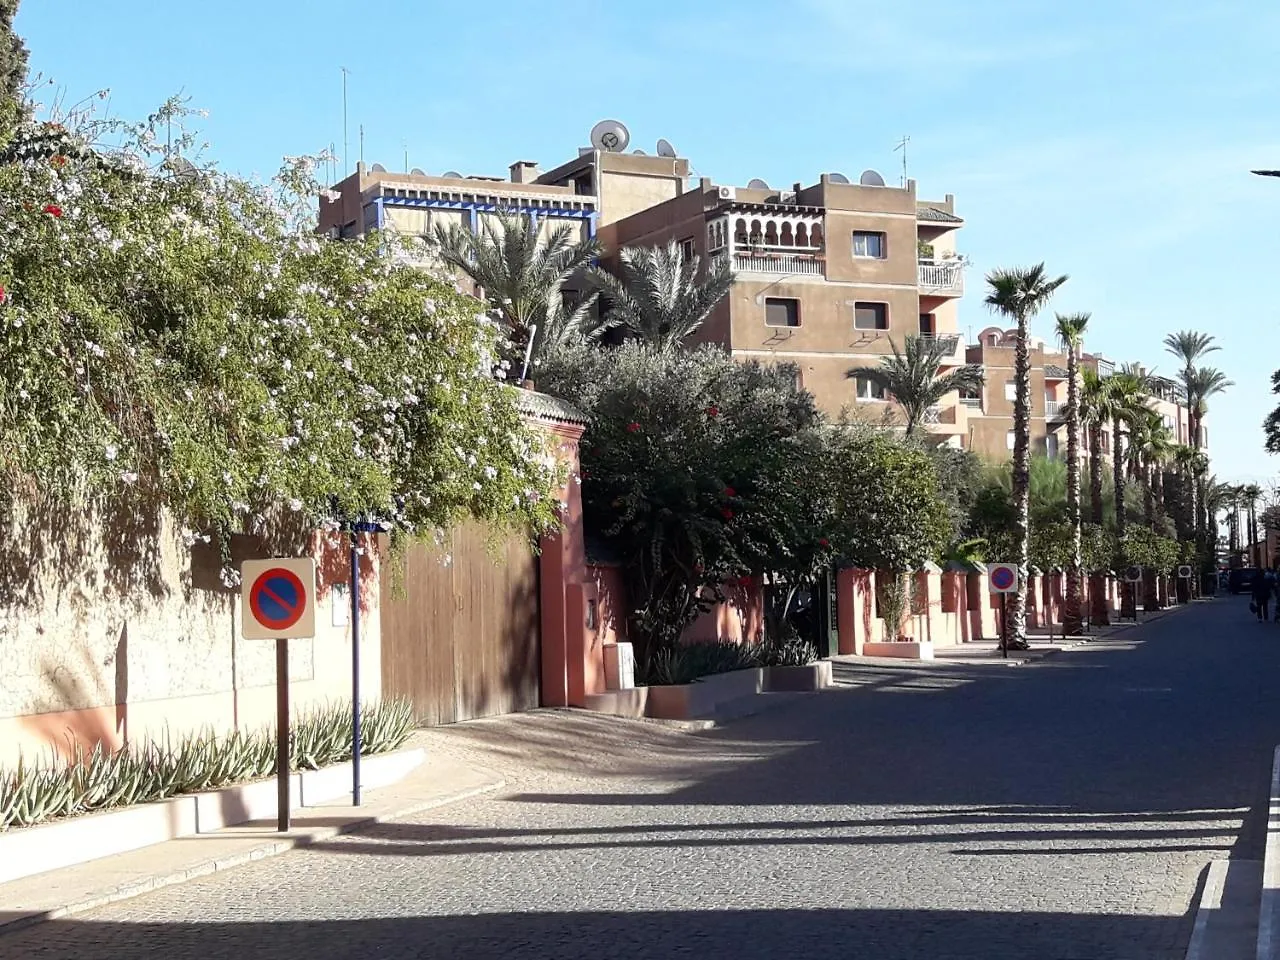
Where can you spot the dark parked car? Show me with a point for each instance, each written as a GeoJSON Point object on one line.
{"type": "Point", "coordinates": [1240, 580]}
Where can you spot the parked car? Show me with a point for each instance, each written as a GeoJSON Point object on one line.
{"type": "Point", "coordinates": [1240, 580]}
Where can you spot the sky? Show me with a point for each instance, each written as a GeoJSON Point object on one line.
{"type": "Point", "coordinates": [1113, 141]}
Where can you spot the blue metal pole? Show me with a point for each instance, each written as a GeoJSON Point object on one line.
{"type": "Point", "coordinates": [355, 667]}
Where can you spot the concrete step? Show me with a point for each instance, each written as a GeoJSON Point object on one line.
{"type": "Point", "coordinates": [1226, 926]}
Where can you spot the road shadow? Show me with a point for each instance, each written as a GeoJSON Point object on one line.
{"type": "Point", "coordinates": [619, 934]}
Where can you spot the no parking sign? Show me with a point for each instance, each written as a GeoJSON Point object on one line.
{"type": "Point", "coordinates": [1003, 578]}
{"type": "Point", "coordinates": [278, 602]}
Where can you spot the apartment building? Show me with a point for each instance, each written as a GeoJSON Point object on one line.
{"type": "Point", "coordinates": [826, 276]}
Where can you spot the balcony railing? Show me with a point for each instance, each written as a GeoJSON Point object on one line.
{"type": "Point", "coordinates": [1053, 408]}
{"type": "Point", "coordinates": [940, 276]}
{"type": "Point", "coordinates": [975, 402]}
{"type": "Point", "coordinates": [779, 263]}
{"type": "Point", "coordinates": [933, 414]}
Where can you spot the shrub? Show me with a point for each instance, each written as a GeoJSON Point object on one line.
{"type": "Point", "coordinates": [791, 651]}
{"type": "Point", "coordinates": [686, 663]}
{"type": "Point", "coordinates": [99, 779]}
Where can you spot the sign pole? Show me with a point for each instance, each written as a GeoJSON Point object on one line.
{"type": "Point", "coordinates": [282, 735]}
{"type": "Point", "coordinates": [355, 667]}
{"type": "Point", "coordinates": [1004, 625]}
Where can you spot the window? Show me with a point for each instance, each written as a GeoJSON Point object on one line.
{"type": "Point", "coordinates": [1011, 392]}
{"type": "Point", "coordinates": [869, 245]}
{"type": "Point", "coordinates": [972, 396]}
{"type": "Point", "coordinates": [927, 326]}
{"type": "Point", "coordinates": [871, 316]}
{"type": "Point", "coordinates": [687, 251]}
{"type": "Point", "coordinates": [868, 390]}
{"type": "Point", "coordinates": [1008, 440]}
{"type": "Point", "coordinates": [781, 312]}
{"type": "Point", "coordinates": [1051, 446]}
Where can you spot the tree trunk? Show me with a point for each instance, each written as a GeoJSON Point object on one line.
{"type": "Point", "coordinates": [1148, 499]}
{"type": "Point", "coordinates": [1072, 620]}
{"type": "Point", "coordinates": [1099, 614]}
{"type": "Point", "coordinates": [1162, 509]}
{"type": "Point", "coordinates": [1017, 610]}
{"type": "Point", "coordinates": [1117, 464]}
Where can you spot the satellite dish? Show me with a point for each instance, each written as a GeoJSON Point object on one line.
{"type": "Point", "coordinates": [837, 178]}
{"type": "Point", "coordinates": [757, 184]}
{"type": "Point", "coordinates": [870, 178]}
{"type": "Point", "coordinates": [610, 136]}
{"type": "Point", "coordinates": [183, 169]}
{"type": "Point", "coordinates": [665, 149]}
{"type": "Point", "coordinates": [452, 173]}
{"type": "Point", "coordinates": [637, 153]}
{"type": "Point", "coordinates": [418, 172]}
{"type": "Point", "coordinates": [378, 168]}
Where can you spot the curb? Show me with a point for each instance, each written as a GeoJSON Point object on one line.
{"type": "Point", "coordinates": [268, 848]}
{"type": "Point", "coordinates": [1269, 911]}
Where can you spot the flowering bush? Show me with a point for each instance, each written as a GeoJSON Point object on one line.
{"type": "Point", "coordinates": [179, 335]}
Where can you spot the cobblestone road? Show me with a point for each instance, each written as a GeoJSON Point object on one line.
{"type": "Point", "coordinates": [1062, 811]}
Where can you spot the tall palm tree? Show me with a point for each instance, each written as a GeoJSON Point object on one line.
{"type": "Point", "coordinates": [658, 295]}
{"type": "Point", "coordinates": [1094, 412]}
{"type": "Point", "coordinates": [521, 275]}
{"type": "Point", "coordinates": [1251, 494]}
{"type": "Point", "coordinates": [1200, 384]}
{"type": "Point", "coordinates": [1150, 446]}
{"type": "Point", "coordinates": [1124, 397]}
{"type": "Point", "coordinates": [1071, 330]}
{"type": "Point", "coordinates": [915, 378]}
{"type": "Point", "coordinates": [1019, 294]}
{"type": "Point", "coordinates": [1189, 346]}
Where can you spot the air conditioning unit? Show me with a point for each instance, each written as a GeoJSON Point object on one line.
{"type": "Point", "coordinates": [788, 197]}
{"type": "Point", "coordinates": [727, 193]}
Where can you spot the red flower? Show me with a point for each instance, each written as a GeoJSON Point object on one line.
{"type": "Point", "coordinates": [713, 411]}
{"type": "Point", "coordinates": [59, 161]}
{"type": "Point", "coordinates": [4, 294]}
{"type": "Point", "coordinates": [727, 513]}
{"type": "Point", "coordinates": [824, 542]}
{"type": "Point", "coordinates": [633, 427]}
{"type": "Point", "coordinates": [53, 210]}
{"type": "Point", "coordinates": [730, 492]}
{"type": "Point", "coordinates": [744, 580]}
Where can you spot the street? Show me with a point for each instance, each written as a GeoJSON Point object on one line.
{"type": "Point", "coordinates": [1062, 810]}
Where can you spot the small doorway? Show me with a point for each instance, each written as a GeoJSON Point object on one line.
{"type": "Point", "coordinates": [927, 326]}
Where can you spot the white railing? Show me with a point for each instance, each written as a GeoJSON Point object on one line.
{"type": "Point", "coordinates": [941, 276]}
{"type": "Point", "coordinates": [1053, 408]}
{"type": "Point", "coordinates": [971, 401]}
{"type": "Point", "coordinates": [933, 414]}
{"type": "Point", "coordinates": [779, 263]}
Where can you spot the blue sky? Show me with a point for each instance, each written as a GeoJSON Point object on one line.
{"type": "Point", "coordinates": [1112, 141]}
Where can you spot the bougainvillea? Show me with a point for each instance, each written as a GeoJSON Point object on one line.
{"type": "Point", "coordinates": [171, 333]}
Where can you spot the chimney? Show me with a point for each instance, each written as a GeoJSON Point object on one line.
{"type": "Point", "coordinates": [524, 171]}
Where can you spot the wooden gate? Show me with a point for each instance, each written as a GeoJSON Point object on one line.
{"type": "Point", "coordinates": [461, 639]}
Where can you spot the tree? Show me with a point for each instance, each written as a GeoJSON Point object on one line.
{"type": "Point", "coordinates": [1123, 397]}
{"type": "Point", "coordinates": [658, 295]}
{"type": "Point", "coordinates": [1200, 385]}
{"type": "Point", "coordinates": [13, 55]}
{"type": "Point", "coordinates": [521, 275]}
{"type": "Point", "coordinates": [182, 344]}
{"type": "Point", "coordinates": [1189, 346]}
{"type": "Point", "coordinates": [913, 376]}
{"type": "Point", "coordinates": [1250, 494]}
{"type": "Point", "coordinates": [1071, 330]}
{"type": "Point", "coordinates": [1019, 294]}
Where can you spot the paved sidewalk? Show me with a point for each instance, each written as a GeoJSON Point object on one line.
{"type": "Point", "coordinates": [72, 890]}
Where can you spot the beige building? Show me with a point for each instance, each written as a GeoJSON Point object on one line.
{"type": "Point", "coordinates": [825, 277]}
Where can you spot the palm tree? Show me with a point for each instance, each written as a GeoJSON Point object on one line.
{"type": "Point", "coordinates": [1094, 413]}
{"type": "Point", "coordinates": [1200, 384]}
{"type": "Point", "coordinates": [1189, 346]}
{"type": "Point", "coordinates": [1251, 494]}
{"type": "Point", "coordinates": [914, 376]}
{"type": "Point", "coordinates": [1150, 446]}
{"type": "Point", "coordinates": [658, 296]}
{"type": "Point", "coordinates": [521, 275]}
{"type": "Point", "coordinates": [1071, 329]}
{"type": "Point", "coordinates": [1124, 397]}
{"type": "Point", "coordinates": [1019, 294]}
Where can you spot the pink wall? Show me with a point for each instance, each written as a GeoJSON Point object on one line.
{"type": "Point", "coordinates": [739, 618]}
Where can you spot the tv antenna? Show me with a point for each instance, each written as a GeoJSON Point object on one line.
{"type": "Point", "coordinates": [837, 178]}
{"type": "Point", "coordinates": [757, 184]}
{"type": "Point", "coordinates": [902, 145]}
{"type": "Point", "coordinates": [665, 149]}
{"type": "Point", "coordinates": [346, 137]}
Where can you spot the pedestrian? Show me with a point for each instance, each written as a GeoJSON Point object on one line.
{"type": "Point", "coordinates": [1261, 589]}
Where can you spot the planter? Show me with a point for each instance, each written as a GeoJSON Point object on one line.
{"type": "Point", "coordinates": [705, 696]}
{"type": "Point", "coordinates": [25, 851]}
{"type": "Point", "coordinates": [902, 650]}
{"type": "Point", "coordinates": [811, 676]}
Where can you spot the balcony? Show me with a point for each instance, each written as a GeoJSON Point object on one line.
{"type": "Point", "coordinates": [941, 278]}
{"type": "Point", "coordinates": [950, 420]}
{"type": "Point", "coordinates": [779, 264]}
{"type": "Point", "coordinates": [1054, 410]}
